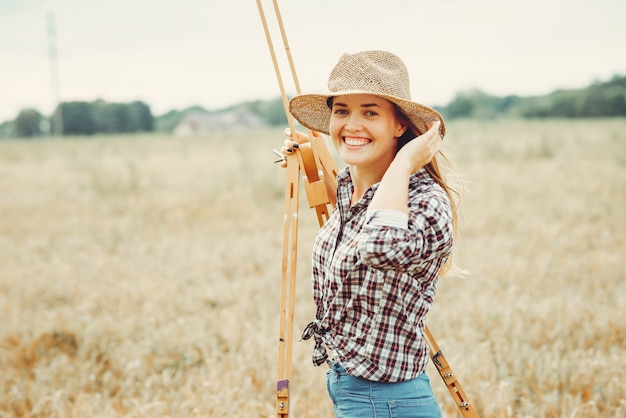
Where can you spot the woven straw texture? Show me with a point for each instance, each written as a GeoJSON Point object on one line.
{"type": "Point", "coordinates": [379, 73]}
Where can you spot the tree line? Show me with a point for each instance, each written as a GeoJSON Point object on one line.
{"type": "Point", "coordinates": [600, 99]}
{"type": "Point", "coordinates": [82, 118]}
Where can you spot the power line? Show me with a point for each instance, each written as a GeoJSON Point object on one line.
{"type": "Point", "coordinates": [57, 123]}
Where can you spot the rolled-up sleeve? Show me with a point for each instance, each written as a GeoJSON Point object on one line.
{"type": "Point", "coordinates": [388, 217]}
{"type": "Point", "coordinates": [394, 240]}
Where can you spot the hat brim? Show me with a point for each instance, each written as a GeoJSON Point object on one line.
{"type": "Point", "coordinates": [312, 111]}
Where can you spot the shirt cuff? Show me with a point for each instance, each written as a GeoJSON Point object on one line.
{"type": "Point", "coordinates": [388, 217]}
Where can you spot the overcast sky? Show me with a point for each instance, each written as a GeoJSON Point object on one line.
{"type": "Point", "coordinates": [174, 54]}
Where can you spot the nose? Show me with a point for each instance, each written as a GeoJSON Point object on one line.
{"type": "Point", "coordinates": [353, 124]}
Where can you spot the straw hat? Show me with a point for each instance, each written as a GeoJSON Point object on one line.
{"type": "Point", "coordinates": [378, 73]}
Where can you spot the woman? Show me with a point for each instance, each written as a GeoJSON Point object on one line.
{"type": "Point", "coordinates": [377, 260]}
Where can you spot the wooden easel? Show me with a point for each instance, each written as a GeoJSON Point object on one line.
{"type": "Point", "coordinates": [313, 163]}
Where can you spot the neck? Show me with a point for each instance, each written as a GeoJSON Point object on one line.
{"type": "Point", "coordinates": [363, 180]}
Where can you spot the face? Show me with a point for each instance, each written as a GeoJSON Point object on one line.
{"type": "Point", "coordinates": [364, 130]}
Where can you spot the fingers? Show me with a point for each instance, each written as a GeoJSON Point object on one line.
{"type": "Point", "coordinates": [299, 137]}
{"type": "Point", "coordinates": [435, 127]}
{"type": "Point", "coordinates": [289, 146]}
{"type": "Point", "coordinates": [423, 149]}
{"type": "Point", "coordinates": [435, 138]}
{"type": "Point", "coordinates": [293, 142]}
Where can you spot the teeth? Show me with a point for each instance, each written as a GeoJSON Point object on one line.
{"type": "Point", "coordinates": [356, 142]}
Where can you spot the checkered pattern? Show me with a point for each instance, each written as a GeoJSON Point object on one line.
{"type": "Point", "coordinates": [374, 284]}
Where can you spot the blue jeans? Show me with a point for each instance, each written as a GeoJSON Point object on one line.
{"type": "Point", "coordinates": [355, 397]}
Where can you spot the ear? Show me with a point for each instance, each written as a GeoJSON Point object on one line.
{"type": "Point", "coordinates": [401, 130]}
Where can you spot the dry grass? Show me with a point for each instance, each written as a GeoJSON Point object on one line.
{"type": "Point", "coordinates": [139, 276]}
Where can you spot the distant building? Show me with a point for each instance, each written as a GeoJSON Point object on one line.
{"type": "Point", "coordinates": [203, 123]}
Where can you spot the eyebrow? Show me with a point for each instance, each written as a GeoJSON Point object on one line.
{"type": "Point", "coordinates": [363, 105]}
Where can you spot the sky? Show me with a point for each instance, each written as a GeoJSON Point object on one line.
{"type": "Point", "coordinates": [214, 53]}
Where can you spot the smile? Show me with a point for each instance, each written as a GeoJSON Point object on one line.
{"type": "Point", "coordinates": [355, 142]}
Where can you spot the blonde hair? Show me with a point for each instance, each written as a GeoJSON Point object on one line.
{"type": "Point", "coordinates": [433, 168]}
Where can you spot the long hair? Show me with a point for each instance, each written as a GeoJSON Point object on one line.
{"type": "Point", "coordinates": [433, 168]}
{"type": "Point", "coordinates": [437, 175]}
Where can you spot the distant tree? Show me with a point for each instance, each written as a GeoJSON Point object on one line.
{"type": "Point", "coordinates": [7, 129]}
{"type": "Point", "coordinates": [167, 122]}
{"type": "Point", "coordinates": [507, 104]}
{"type": "Point", "coordinates": [28, 123]}
{"type": "Point", "coordinates": [110, 118]}
{"type": "Point", "coordinates": [607, 99]}
{"type": "Point", "coordinates": [271, 112]}
{"type": "Point", "coordinates": [141, 117]}
{"type": "Point", "coordinates": [617, 103]}
{"type": "Point", "coordinates": [275, 113]}
{"type": "Point", "coordinates": [77, 118]}
{"type": "Point", "coordinates": [462, 106]}
{"type": "Point", "coordinates": [121, 118]}
{"type": "Point", "coordinates": [102, 117]}
{"type": "Point", "coordinates": [594, 103]}
{"type": "Point", "coordinates": [598, 100]}
{"type": "Point", "coordinates": [84, 118]}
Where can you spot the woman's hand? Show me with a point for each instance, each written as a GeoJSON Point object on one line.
{"type": "Point", "coordinates": [392, 191]}
{"type": "Point", "coordinates": [292, 142]}
{"type": "Point", "coordinates": [421, 150]}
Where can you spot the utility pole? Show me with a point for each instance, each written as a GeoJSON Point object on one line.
{"type": "Point", "coordinates": [57, 123]}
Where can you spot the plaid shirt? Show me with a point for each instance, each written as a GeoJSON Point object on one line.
{"type": "Point", "coordinates": [373, 283]}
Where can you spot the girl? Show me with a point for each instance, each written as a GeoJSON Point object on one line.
{"type": "Point", "coordinates": [377, 260]}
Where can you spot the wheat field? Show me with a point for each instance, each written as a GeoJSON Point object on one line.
{"type": "Point", "coordinates": [140, 275]}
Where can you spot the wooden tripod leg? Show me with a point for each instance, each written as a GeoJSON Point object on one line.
{"type": "Point", "coordinates": [445, 371]}
{"type": "Point", "coordinates": [288, 286]}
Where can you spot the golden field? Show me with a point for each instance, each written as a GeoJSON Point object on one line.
{"type": "Point", "coordinates": [140, 275]}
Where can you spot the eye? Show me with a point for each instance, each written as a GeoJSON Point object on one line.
{"type": "Point", "coordinates": [340, 111]}
{"type": "Point", "coordinates": [371, 113]}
